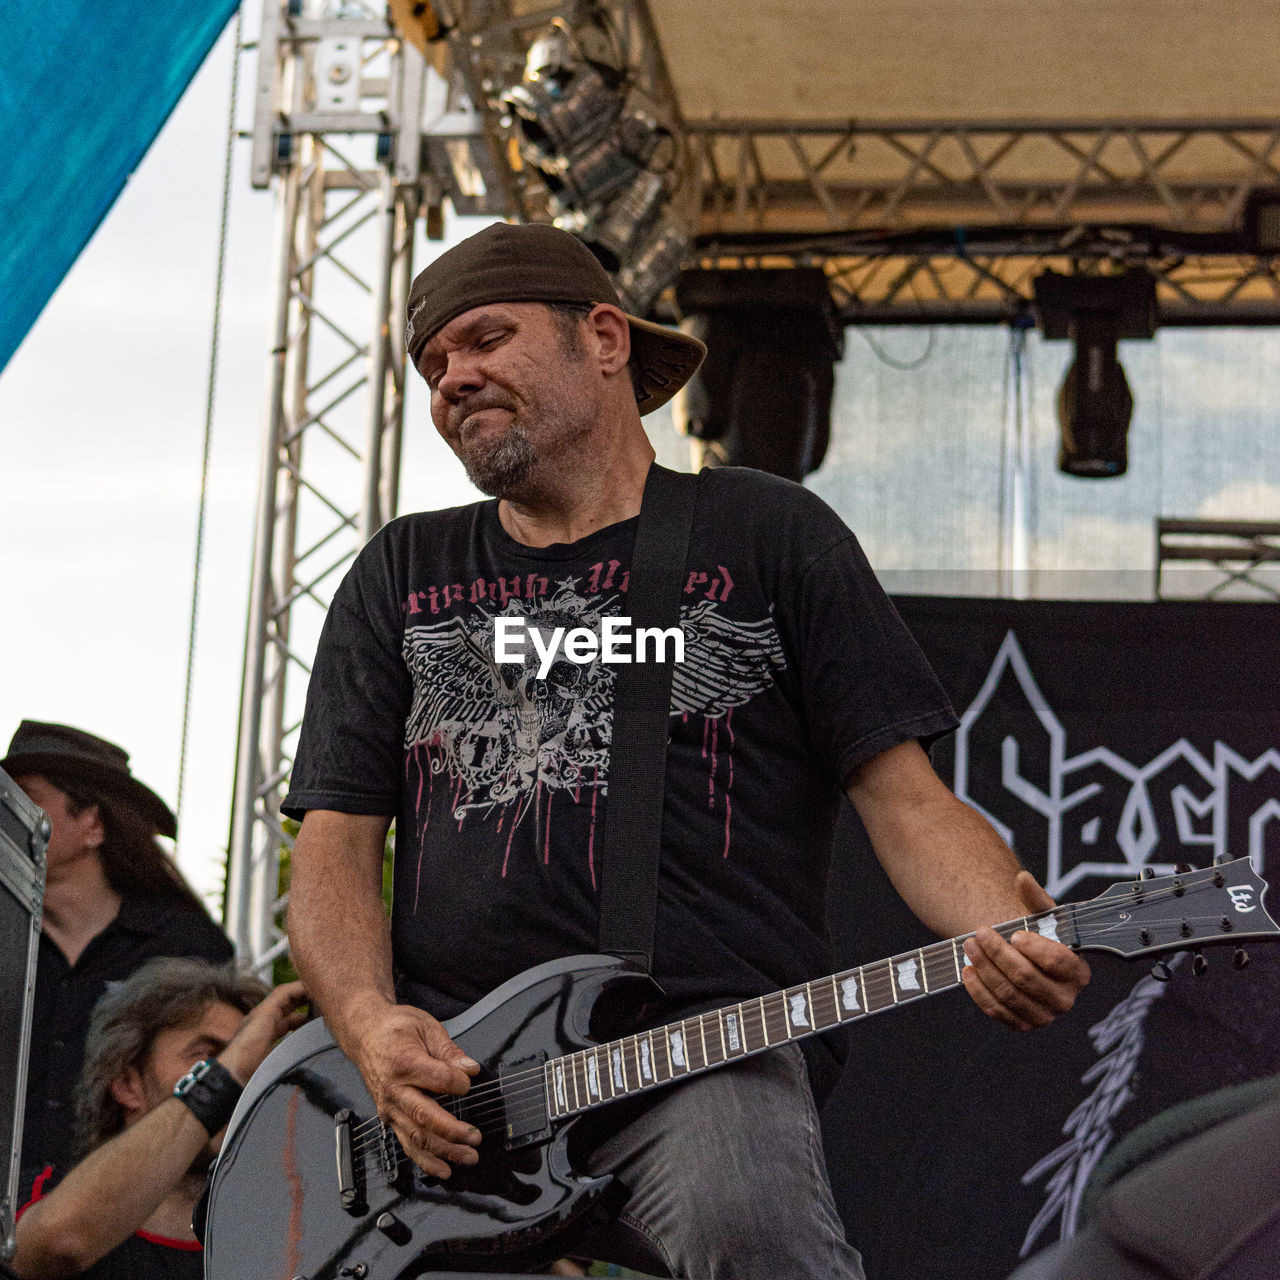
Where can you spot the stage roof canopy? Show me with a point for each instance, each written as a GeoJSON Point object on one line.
{"type": "Point", "coordinates": [84, 89]}
{"type": "Point", "coordinates": [964, 60]}
{"type": "Point", "coordinates": [976, 142]}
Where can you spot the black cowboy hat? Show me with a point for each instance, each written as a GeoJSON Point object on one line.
{"type": "Point", "coordinates": [71, 753]}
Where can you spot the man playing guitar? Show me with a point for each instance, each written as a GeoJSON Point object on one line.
{"type": "Point", "coordinates": [799, 681]}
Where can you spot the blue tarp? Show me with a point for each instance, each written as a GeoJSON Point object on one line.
{"type": "Point", "coordinates": [84, 88]}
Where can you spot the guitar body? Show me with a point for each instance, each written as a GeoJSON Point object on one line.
{"type": "Point", "coordinates": [274, 1209]}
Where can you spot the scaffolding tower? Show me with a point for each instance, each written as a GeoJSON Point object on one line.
{"type": "Point", "coordinates": [338, 127]}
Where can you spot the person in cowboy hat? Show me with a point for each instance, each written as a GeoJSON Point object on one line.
{"type": "Point", "coordinates": [113, 898]}
{"type": "Point", "coordinates": [799, 681]}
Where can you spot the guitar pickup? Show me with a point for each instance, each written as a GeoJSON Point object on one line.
{"type": "Point", "coordinates": [350, 1184]}
{"type": "Point", "coordinates": [528, 1122]}
{"type": "Point", "coordinates": [396, 1166]}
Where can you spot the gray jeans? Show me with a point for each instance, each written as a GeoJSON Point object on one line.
{"type": "Point", "coordinates": [727, 1180]}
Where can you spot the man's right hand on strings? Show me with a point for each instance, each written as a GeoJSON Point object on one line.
{"type": "Point", "coordinates": [405, 1056]}
{"type": "Point", "coordinates": [342, 947]}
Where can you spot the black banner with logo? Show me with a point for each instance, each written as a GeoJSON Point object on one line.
{"type": "Point", "coordinates": [1100, 739]}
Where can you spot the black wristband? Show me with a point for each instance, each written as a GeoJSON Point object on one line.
{"type": "Point", "coordinates": [210, 1092]}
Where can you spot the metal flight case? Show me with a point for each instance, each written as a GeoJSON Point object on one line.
{"type": "Point", "coordinates": [24, 836]}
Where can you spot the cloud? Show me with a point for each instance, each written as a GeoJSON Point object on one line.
{"type": "Point", "coordinates": [1095, 542]}
{"type": "Point", "coordinates": [1242, 500]}
{"type": "Point", "coordinates": [1209, 374]}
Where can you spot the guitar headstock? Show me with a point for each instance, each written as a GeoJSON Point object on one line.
{"type": "Point", "coordinates": [1202, 907]}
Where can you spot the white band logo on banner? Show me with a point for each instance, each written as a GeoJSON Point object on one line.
{"type": "Point", "coordinates": [1191, 827]}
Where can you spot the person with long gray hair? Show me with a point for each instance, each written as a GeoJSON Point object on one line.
{"type": "Point", "coordinates": [168, 1053]}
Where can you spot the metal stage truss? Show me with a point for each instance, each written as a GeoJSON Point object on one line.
{"type": "Point", "coordinates": [361, 134]}
{"type": "Point", "coordinates": [935, 222]}
{"type": "Point", "coordinates": [347, 196]}
{"type": "Point", "coordinates": [802, 176]}
{"type": "Point", "coordinates": [1233, 559]}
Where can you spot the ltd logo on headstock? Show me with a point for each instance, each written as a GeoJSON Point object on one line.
{"type": "Point", "coordinates": [1242, 897]}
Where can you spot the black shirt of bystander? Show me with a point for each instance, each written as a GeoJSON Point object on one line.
{"type": "Point", "coordinates": [64, 998]}
{"type": "Point", "coordinates": [146, 1257]}
{"type": "Point", "coordinates": [143, 1256]}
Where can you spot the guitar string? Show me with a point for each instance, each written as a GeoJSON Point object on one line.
{"type": "Point", "coordinates": [533, 1080]}
{"type": "Point", "coordinates": [775, 1002]}
{"type": "Point", "coordinates": [518, 1110]}
{"type": "Point", "coordinates": [471, 1106]}
{"type": "Point", "coordinates": [519, 1105]}
{"type": "Point", "coordinates": [468, 1105]}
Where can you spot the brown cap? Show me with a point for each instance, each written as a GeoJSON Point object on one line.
{"type": "Point", "coordinates": [533, 262]}
{"type": "Point", "coordinates": [72, 753]}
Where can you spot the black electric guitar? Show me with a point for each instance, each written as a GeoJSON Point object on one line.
{"type": "Point", "coordinates": [310, 1184]}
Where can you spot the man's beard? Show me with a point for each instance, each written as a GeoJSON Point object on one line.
{"type": "Point", "coordinates": [502, 467]}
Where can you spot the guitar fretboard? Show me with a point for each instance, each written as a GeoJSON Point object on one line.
{"type": "Point", "coordinates": [618, 1068]}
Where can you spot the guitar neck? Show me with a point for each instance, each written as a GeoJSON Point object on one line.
{"type": "Point", "coordinates": [616, 1069]}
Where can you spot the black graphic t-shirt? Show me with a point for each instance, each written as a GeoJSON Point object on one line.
{"type": "Point", "coordinates": [796, 669]}
{"type": "Point", "coordinates": [142, 1256]}
{"type": "Point", "coordinates": [64, 999]}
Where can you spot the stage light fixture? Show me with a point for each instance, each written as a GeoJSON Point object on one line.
{"type": "Point", "coordinates": [618, 229]}
{"type": "Point", "coordinates": [566, 99]}
{"type": "Point", "coordinates": [642, 135]}
{"type": "Point", "coordinates": [589, 177]}
{"type": "Point", "coordinates": [762, 398]}
{"type": "Point", "coordinates": [1095, 404]}
{"type": "Point", "coordinates": [593, 175]}
{"type": "Point", "coordinates": [606, 151]}
{"type": "Point", "coordinates": [557, 117]}
{"type": "Point", "coordinates": [656, 264]}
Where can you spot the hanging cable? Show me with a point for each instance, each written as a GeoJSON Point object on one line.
{"type": "Point", "coordinates": [905, 366]}
{"type": "Point", "coordinates": [1015, 456]}
{"type": "Point", "coordinates": [214, 343]}
{"type": "Point", "coordinates": [1003, 491]}
{"type": "Point", "coordinates": [1032, 506]}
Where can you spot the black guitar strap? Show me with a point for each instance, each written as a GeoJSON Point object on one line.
{"type": "Point", "coordinates": [641, 707]}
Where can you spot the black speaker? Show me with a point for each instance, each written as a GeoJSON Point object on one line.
{"type": "Point", "coordinates": [24, 836]}
{"type": "Point", "coordinates": [762, 397]}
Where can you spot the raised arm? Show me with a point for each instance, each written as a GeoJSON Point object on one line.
{"type": "Point", "coordinates": [115, 1189]}
{"type": "Point", "coordinates": [957, 875]}
{"type": "Point", "coordinates": [108, 1196]}
{"type": "Point", "coordinates": [341, 943]}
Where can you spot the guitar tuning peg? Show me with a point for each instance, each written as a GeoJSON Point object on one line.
{"type": "Point", "coordinates": [1219, 859]}
{"type": "Point", "coordinates": [1183, 868]}
{"type": "Point", "coordinates": [1147, 874]}
{"type": "Point", "coordinates": [1241, 958]}
{"type": "Point", "coordinates": [1161, 971]}
{"type": "Point", "coordinates": [1199, 966]}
